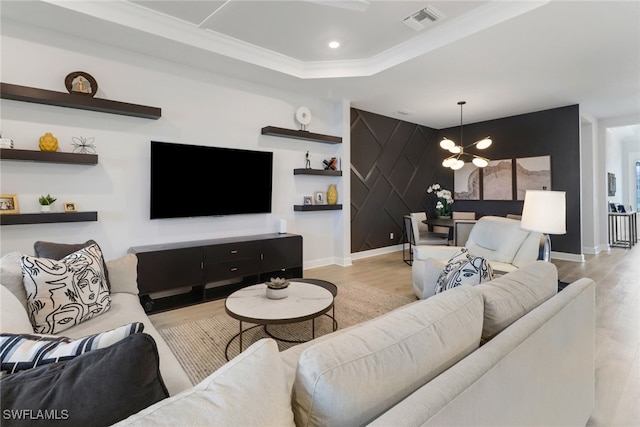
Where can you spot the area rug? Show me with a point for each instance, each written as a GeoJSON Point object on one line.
{"type": "Point", "coordinates": [200, 346]}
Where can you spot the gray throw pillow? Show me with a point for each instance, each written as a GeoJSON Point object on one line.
{"type": "Point", "coordinates": [98, 388]}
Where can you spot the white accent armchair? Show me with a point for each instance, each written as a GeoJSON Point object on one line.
{"type": "Point", "coordinates": [501, 241]}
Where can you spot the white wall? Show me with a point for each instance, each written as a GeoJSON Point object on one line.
{"type": "Point", "coordinates": [589, 201]}
{"type": "Point", "coordinates": [197, 108]}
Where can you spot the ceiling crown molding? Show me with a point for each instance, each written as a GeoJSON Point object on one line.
{"type": "Point", "coordinates": [141, 19]}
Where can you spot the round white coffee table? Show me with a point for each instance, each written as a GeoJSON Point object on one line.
{"type": "Point", "coordinates": [306, 301]}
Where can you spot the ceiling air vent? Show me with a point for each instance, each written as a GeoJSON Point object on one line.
{"type": "Point", "coordinates": [420, 19]}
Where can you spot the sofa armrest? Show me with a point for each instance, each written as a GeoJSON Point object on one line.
{"type": "Point", "coordinates": [422, 252]}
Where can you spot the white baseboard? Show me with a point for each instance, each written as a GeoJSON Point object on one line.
{"type": "Point", "coordinates": [564, 256]}
{"type": "Point", "coordinates": [595, 250]}
{"type": "Point", "coordinates": [378, 251]}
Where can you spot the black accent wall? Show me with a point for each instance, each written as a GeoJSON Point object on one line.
{"type": "Point", "coordinates": [393, 162]}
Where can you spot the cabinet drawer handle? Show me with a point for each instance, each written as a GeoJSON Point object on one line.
{"type": "Point", "coordinates": [234, 269]}
{"type": "Point", "coordinates": [234, 251]}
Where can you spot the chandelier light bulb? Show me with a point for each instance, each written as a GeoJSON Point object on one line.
{"type": "Point", "coordinates": [480, 162]}
{"type": "Point", "coordinates": [448, 162]}
{"type": "Point", "coordinates": [458, 164]}
{"type": "Point", "coordinates": [455, 149]}
{"type": "Point", "coordinates": [447, 144]}
{"type": "Point", "coordinates": [484, 143]}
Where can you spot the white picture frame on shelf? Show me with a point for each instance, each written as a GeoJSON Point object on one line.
{"type": "Point", "coordinates": [319, 198]}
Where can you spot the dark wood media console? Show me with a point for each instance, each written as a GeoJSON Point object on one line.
{"type": "Point", "coordinates": [214, 268]}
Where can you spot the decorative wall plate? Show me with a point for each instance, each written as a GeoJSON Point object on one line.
{"type": "Point", "coordinates": [303, 116]}
{"type": "Point", "coordinates": [81, 83]}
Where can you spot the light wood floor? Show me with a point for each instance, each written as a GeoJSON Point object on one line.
{"type": "Point", "coordinates": [616, 273]}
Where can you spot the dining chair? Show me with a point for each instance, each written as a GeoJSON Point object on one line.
{"type": "Point", "coordinates": [417, 233]}
{"type": "Point", "coordinates": [463, 222]}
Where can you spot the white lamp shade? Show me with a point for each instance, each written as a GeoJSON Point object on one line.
{"type": "Point", "coordinates": [455, 149]}
{"type": "Point", "coordinates": [484, 143]}
{"type": "Point", "coordinates": [545, 212]}
{"type": "Point", "coordinates": [447, 144]}
{"type": "Point", "coordinates": [480, 162]}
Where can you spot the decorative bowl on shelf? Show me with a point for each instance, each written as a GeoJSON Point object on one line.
{"type": "Point", "coordinates": [277, 288]}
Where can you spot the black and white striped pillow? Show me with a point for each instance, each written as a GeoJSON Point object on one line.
{"type": "Point", "coordinates": [25, 351]}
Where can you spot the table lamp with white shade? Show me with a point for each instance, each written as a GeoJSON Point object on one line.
{"type": "Point", "coordinates": [545, 212]}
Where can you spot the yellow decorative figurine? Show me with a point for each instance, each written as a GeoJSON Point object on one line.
{"type": "Point", "coordinates": [48, 142]}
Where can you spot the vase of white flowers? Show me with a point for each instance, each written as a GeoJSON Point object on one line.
{"type": "Point", "coordinates": [445, 200]}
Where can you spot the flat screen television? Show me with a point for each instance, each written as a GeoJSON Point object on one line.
{"type": "Point", "coordinates": [194, 180]}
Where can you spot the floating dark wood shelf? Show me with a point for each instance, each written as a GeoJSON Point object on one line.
{"type": "Point", "coordinates": [47, 218]}
{"type": "Point", "coordinates": [301, 134]}
{"type": "Point", "coordinates": [48, 156]}
{"type": "Point", "coordinates": [328, 172]}
{"type": "Point", "coordinates": [82, 102]}
{"type": "Point", "coordinates": [308, 208]}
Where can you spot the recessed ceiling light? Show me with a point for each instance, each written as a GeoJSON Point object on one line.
{"type": "Point", "coordinates": [334, 45]}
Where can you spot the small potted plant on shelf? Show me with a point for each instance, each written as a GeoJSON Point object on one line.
{"type": "Point", "coordinates": [277, 288]}
{"type": "Point", "coordinates": [46, 202]}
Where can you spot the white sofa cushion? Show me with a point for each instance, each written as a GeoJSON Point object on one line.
{"type": "Point", "coordinates": [123, 274]}
{"type": "Point", "coordinates": [496, 238]}
{"type": "Point", "coordinates": [13, 315]}
{"type": "Point", "coordinates": [249, 390]}
{"type": "Point", "coordinates": [353, 377]}
{"type": "Point", "coordinates": [11, 276]}
{"type": "Point", "coordinates": [509, 297]}
{"type": "Point", "coordinates": [126, 308]}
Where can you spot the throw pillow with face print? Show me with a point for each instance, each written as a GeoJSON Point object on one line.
{"type": "Point", "coordinates": [67, 292]}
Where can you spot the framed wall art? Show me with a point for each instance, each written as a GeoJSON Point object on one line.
{"type": "Point", "coordinates": [611, 184]}
{"type": "Point", "coordinates": [532, 173]}
{"type": "Point", "coordinates": [70, 207]}
{"type": "Point", "coordinates": [9, 204]}
{"type": "Point", "coordinates": [497, 180]}
{"type": "Point", "coordinates": [466, 183]}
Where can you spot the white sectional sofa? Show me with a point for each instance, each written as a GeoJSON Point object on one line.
{"type": "Point", "coordinates": [509, 352]}
{"type": "Point", "coordinates": [501, 241]}
{"type": "Point", "coordinates": [125, 308]}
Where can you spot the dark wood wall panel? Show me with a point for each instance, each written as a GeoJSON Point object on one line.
{"type": "Point", "coordinates": [393, 162]}
{"type": "Point", "coordinates": [385, 173]}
